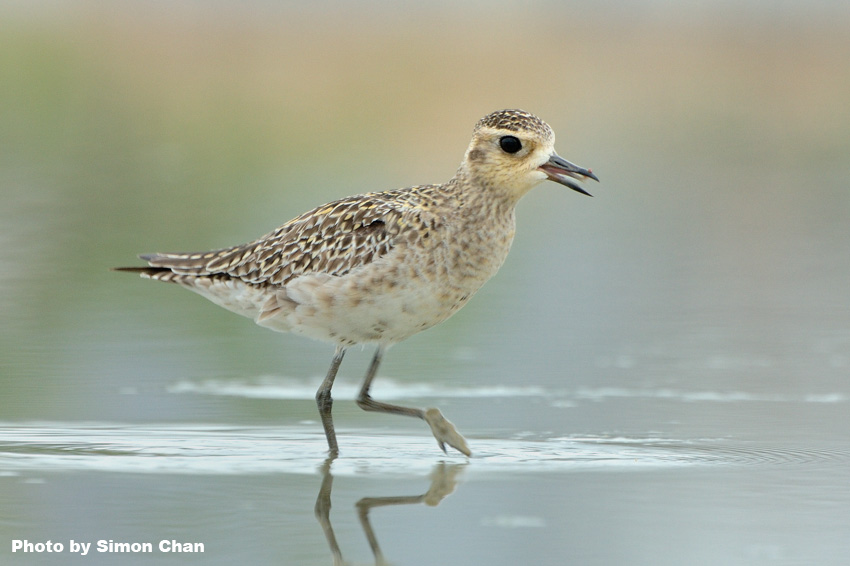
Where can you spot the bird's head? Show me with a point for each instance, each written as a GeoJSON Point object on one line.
{"type": "Point", "coordinates": [513, 151]}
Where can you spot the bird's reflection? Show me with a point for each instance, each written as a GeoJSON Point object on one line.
{"type": "Point", "coordinates": [443, 482]}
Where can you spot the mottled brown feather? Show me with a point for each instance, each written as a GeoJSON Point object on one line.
{"type": "Point", "coordinates": [333, 239]}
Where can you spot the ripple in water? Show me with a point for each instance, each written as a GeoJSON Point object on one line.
{"type": "Point", "coordinates": [209, 449]}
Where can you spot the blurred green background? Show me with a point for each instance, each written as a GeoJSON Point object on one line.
{"type": "Point", "coordinates": [721, 133]}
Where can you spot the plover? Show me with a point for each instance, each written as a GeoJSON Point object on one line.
{"type": "Point", "coordinates": [379, 267]}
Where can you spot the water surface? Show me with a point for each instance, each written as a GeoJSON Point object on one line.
{"type": "Point", "coordinates": [657, 375]}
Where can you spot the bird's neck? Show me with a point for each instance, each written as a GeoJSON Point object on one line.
{"type": "Point", "coordinates": [480, 197]}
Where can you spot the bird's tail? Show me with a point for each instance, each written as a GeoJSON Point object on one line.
{"type": "Point", "coordinates": [173, 267]}
{"type": "Point", "coordinates": [156, 273]}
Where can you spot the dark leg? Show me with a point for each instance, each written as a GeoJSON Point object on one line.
{"type": "Point", "coordinates": [325, 402]}
{"type": "Point", "coordinates": [444, 431]}
{"type": "Point", "coordinates": [365, 401]}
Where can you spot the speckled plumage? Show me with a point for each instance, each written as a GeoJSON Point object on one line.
{"type": "Point", "coordinates": [380, 267]}
{"type": "Point", "coordinates": [516, 121]}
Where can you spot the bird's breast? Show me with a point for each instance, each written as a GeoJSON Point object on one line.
{"type": "Point", "coordinates": [421, 282]}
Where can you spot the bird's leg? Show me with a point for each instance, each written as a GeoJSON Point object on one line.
{"type": "Point", "coordinates": [325, 402]}
{"type": "Point", "coordinates": [444, 431]}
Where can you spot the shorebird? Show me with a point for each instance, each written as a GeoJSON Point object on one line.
{"type": "Point", "coordinates": [379, 267]}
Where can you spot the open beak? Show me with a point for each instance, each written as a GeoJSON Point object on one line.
{"type": "Point", "coordinates": [560, 170]}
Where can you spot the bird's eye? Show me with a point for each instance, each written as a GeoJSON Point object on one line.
{"type": "Point", "coordinates": [510, 144]}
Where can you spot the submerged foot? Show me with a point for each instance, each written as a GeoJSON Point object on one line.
{"type": "Point", "coordinates": [445, 432]}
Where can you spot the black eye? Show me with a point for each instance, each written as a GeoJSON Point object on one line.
{"type": "Point", "coordinates": [510, 144]}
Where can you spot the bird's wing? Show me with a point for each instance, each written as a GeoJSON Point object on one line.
{"type": "Point", "coordinates": [332, 239]}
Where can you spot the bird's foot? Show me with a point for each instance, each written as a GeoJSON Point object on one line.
{"type": "Point", "coordinates": [445, 432]}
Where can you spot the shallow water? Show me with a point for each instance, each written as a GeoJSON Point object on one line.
{"type": "Point", "coordinates": [255, 494]}
{"type": "Point", "coordinates": [657, 375]}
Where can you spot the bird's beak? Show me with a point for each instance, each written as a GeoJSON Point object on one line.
{"type": "Point", "coordinates": [559, 170]}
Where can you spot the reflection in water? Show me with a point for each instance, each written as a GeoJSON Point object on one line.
{"type": "Point", "coordinates": [443, 482]}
